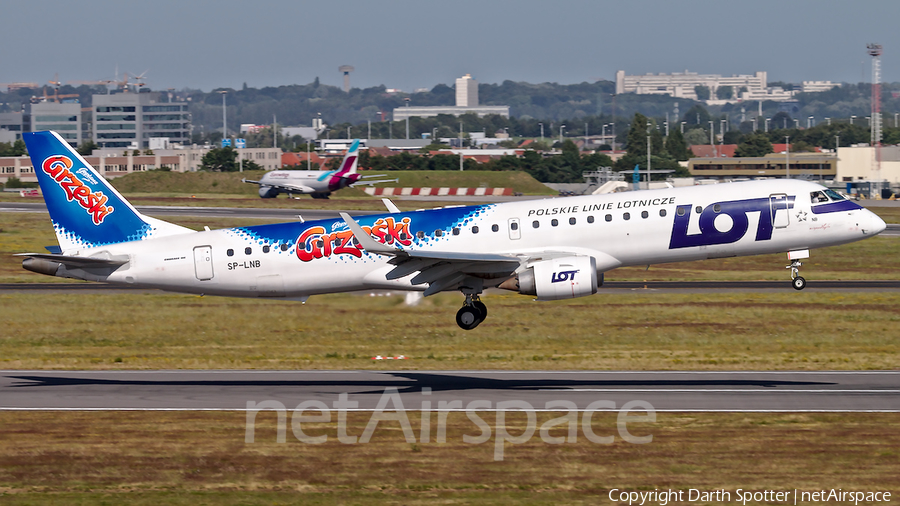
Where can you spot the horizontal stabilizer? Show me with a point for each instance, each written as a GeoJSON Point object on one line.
{"type": "Point", "coordinates": [76, 262]}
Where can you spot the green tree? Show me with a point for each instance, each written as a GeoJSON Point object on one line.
{"type": "Point", "coordinates": [782, 120]}
{"type": "Point", "coordinates": [702, 92]}
{"type": "Point", "coordinates": [676, 146]}
{"type": "Point", "coordinates": [636, 141]}
{"type": "Point", "coordinates": [220, 160]}
{"type": "Point", "coordinates": [17, 148]}
{"type": "Point", "coordinates": [696, 137]}
{"type": "Point", "coordinates": [724, 92]}
{"type": "Point", "coordinates": [86, 148]}
{"type": "Point", "coordinates": [696, 115]}
{"type": "Point", "coordinates": [754, 145]}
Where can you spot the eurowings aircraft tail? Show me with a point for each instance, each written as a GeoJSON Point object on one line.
{"type": "Point", "coordinates": [85, 210]}
{"type": "Point", "coordinates": [348, 166]}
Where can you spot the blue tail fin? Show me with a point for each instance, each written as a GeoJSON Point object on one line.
{"type": "Point", "coordinates": [86, 211]}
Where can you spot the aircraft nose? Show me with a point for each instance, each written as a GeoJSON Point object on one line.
{"type": "Point", "coordinates": [876, 224]}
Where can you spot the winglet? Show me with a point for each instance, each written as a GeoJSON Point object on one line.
{"type": "Point", "coordinates": [366, 241]}
{"type": "Point", "coordinates": [390, 206]}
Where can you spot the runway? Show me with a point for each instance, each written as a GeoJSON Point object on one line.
{"type": "Point", "coordinates": [789, 391]}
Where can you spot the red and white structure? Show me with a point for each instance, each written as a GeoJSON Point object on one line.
{"type": "Point", "coordinates": [438, 192]}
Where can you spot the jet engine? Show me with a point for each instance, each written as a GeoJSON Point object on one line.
{"type": "Point", "coordinates": [558, 278]}
{"type": "Point", "coordinates": [267, 192]}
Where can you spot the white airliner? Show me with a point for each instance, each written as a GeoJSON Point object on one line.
{"type": "Point", "coordinates": [552, 249]}
{"type": "Point", "coordinates": [317, 183]}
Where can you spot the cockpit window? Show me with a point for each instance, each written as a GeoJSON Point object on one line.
{"type": "Point", "coordinates": [817, 197]}
{"type": "Point", "coordinates": [835, 195]}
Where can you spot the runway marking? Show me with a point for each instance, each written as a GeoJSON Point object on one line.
{"type": "Point", "coordinates": [707, 390]}
{"type": "Point", "coordinates": [492, 410]}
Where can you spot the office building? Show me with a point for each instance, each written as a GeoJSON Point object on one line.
{"type": "Point", "coordinates": [130, 120]}
{"type": "Point", "coordinates": [683, 84]}
{"type": "Point", "coordinates": [12, 123]}
{"type": "Point", "coordinates": [63, 118]}
{"type": "Point", "coordinates": [466, 91]}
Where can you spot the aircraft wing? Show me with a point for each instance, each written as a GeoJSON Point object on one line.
{"type": "Point", "coordinates": [362, 183]}
{"type": "Point", "coordinates": [288, 188]}
{"type": "Point", "coordinates": [440, 270]}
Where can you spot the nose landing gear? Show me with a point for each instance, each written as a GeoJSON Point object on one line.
{"type": "Point", "coordinates": [472, 313]}
{"type": "Point", "coordinates": [797, 281]}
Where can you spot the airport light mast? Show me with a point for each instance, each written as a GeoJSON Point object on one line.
{"type": "Point", "coordinates": [875, 53]}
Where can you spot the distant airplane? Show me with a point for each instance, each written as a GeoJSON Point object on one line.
{"type": "Point", "coordinates": [551, 248]}
{"type": "Point", "coordinates": [317, 183]}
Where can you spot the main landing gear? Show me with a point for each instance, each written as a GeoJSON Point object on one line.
{"type": "Point", "coordinates": [472, 313]}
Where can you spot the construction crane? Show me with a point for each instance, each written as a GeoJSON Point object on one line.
{"type": "Point", "coordinates": [19, 86]}
{"type": "Point", "coordinates": [55, 97]}
{"type": "Point", "coordinates": [124, 82]}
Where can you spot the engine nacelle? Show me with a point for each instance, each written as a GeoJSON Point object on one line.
{"type": "Point", "coordinates": [267, 192]}
{"type": "Point", "coordinates": [558, 278]}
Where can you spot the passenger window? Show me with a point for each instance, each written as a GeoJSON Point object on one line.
{"type": "Point", "coordinates": [514, 226]}
{"type": "Point", "coordinates": [608, 217]}
{"type": "Point", "coordinates": [420, 234]}
{"type": "Point", "coordinates": [644, 214]}
{"type": "Point", "coordinates": [717, 208]}
{"type": "Point", "coordinates": [266, 248]}
{"type": "Point", "coordinates": [698, 209]}
{"type": "Point", "coordinates": [284, 246]}
{"type": "Point", "coordinates": [438, 233]}
{"type": "Point", "coordinates": [475, 229]}
{"type": "Point", "coordinates": [230, 252]}
{"type": "Point", "coordinates": [571, 221]}
{"type": "Point", "coordinates": [590, 219]}
{"type": "Point", "coordinates": [495, 228]}
{"type": "Point", "coordinates": [535, 224]}
{"type": "Point", "coordinates": [680, 211]}
{"type": "Point", "coordinates": [662, 212]}
{"type": "Point", "coordinates": [554, 222]}
{"type": "Point", "coordinates": [248, 251]}
{"type": "Point", "coordinates": [626, 216]}
{"type": "Point", "coordinates": [456, 231]}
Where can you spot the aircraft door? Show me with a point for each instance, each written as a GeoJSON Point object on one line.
{"type": "Point", "coordinates": [203, 267]}
{"type": "Point", "coordinates": [515, 231]}
{"type": "Point", "coordinates": [778, 206]}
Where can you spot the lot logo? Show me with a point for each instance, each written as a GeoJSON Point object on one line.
{"type": "Point", "coordinates": [770, 210]}
{"type": "Point", "coordinates": [57, 167]}
{"type": "Point", "coordinates": [315, 243]}
{"type": "Point", "coordinates": [563, 276]}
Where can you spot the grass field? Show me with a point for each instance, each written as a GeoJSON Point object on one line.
{"type": "Point", "coordinates": [201, 458]}
{"type": "Point", "coordinates": [621, 330]}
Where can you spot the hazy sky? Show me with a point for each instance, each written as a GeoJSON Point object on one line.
{"type": "Point", "coordinates": [418, 44]}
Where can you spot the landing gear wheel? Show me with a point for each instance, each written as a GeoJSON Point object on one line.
{"type": "Point", "coordinates": [798, 283]}
{"type": "Point", "coordinates": [481, 307]}
{"type": "Point", "coordinates": [468, 317]}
